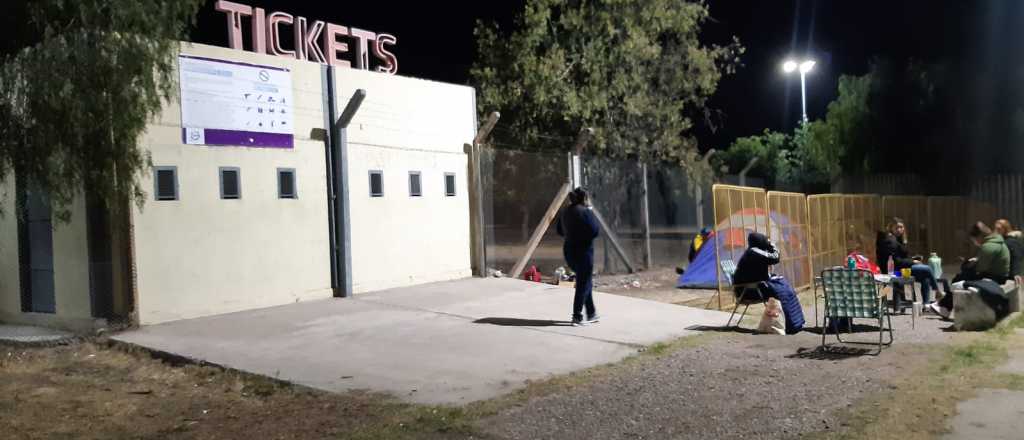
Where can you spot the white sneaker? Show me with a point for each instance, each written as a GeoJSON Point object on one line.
{"type": "Point", "coordinates": [593, 319]}
{"type": "Point", "coordinates": [939, 310]}
{"type": "Point", "coordinates": [579, 323]}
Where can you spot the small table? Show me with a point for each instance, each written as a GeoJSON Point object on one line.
{"type": "Point", "coordinates": [895, 281]}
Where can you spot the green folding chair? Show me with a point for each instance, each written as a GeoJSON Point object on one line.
{"type": "Point", "coordinates": [853, 294]}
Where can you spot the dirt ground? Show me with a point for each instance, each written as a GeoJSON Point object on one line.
{"type": "Point", "coordinates": [722, 384]}
{"type": "Point", "coordinates": [654, 285]}
{"type": "Point", "coordinates": [92, 391]}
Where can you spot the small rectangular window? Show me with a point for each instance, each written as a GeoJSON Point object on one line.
{"type": "Point", "coordinates": [449, 184]}
{"type": "Point", "coordinates": [166, 182]}
{"type": "Point", "coordinates": [376, 183]}
{"type": "Point", "coordinates": [230, 183]}
{"type": "Point", "coordinates": [286, 183]}
{"type": "Point", "coordinates": [415, 188]}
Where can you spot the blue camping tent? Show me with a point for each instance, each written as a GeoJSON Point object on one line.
{"type": "Point", "coordinates": [702, 271]}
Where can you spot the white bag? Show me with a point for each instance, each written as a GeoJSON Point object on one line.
{"type": "Point", "coordinates": [771, 320]}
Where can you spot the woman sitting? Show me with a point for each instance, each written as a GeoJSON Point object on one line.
{"type": "Point", "coordinates": [892, 243]}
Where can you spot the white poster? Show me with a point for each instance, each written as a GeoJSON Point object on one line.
{"type": "Point", "coordinates": [228, 103]}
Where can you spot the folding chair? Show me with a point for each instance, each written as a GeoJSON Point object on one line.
{"type": "Point", "coordinates": [853, 294]}
{"type": "Point", "coordinates": [749, 293]}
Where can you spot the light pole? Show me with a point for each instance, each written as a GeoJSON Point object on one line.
{"type": "Point", "coordinates": [804, 66]}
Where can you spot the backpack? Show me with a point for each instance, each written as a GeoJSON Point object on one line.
{"type": "Point", "coordinates": [864, 263]}
{"type": "Point", "coordinates": [532, 274]}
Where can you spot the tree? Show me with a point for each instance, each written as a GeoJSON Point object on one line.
{"type": "Point", "coordinates": [635, 71]}
{"type": "Point", "coordinates": [818, 152]}
{"type": "Point", "coordinates": [80, 79]}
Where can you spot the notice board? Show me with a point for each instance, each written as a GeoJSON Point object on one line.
{"type": "Point", "coordinates": [235, 104]}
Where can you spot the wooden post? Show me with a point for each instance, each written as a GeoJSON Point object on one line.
{"type": "Point", "coordinates": [699, 202]}
{"type": "Point", "coordinates": [477, 229]}
{"type": "Point", "coordinates": [615, 241]}
{"type": "Point", "coordinates": [645, 218]}
{"type": "Point", "coordinates": [538, 233]}
{"type": "Point", "coordinates": [545, 222]}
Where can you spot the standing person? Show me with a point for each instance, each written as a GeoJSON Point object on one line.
{"type": "Point", "coordinates": [992, 262]}
{"type": "Point", "coordinates": [1014, 243]}
{"type": "Point", "coordinates": [892, 243]}
{"type": "Point", "coordinates": [579, 227]}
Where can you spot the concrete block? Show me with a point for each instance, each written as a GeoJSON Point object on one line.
{"type": "Point", "coordinates": [1013, 296]}
{"type": "Point", "coordinates": [970, 313]}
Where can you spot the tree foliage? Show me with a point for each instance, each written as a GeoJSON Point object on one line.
{"type": "Point", "coordinates": [849, 139]}
{"type": "Point", "coordinates": [635, 71]}
{"type": "Point", "coordinates": [80, 81]}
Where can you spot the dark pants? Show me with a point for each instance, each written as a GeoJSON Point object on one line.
{"type": "Point", "coordinates": [967, 273]}
{"type": "Point", "coordinates": [581, 261]}
{"type": "Point", "coordinates": [947, 300]}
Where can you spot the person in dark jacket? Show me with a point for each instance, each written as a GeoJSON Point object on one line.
{"type": "Point", "coordinates": [1014, 243]}
{"type": "Point", "coordinates": [753, 265]}
{"type": "Point", "coordinates": [579, 227]}
{"type": "Point", "coordinates": [892, 243]}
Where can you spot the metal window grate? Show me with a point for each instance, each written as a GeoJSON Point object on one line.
{"type": "Point", "coordinates": [286, 183]}
{"type": "Point", "coordinates": [376, 183]}
{"type": "Point", "coordinates": [166, 183]}
{"type": "Point", "coordinates": [230, 187]}
{"type": "Point", "coordinates": [449, 184]}
{"type": "Point", "coordinates": [415, 184]}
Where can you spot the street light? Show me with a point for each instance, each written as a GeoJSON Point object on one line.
{"type": "Point", "coordinates": [805, 67]}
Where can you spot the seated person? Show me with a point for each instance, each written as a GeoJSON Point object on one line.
{"type": "Point", "coordinates": [1015, 244]}
{"type": "Point", "coordinates": [753, 269]}
{"type": "Point", "coordinates": [698, 241]}
{"type": "Point", "coordinates": [991, 262]}
{"type": "Point", "coordinates": [753, 265]}
{"type": "Point", "coordinates": [892, 243]}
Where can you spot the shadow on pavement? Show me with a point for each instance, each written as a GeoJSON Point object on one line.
{"type": "Point", "coordinates": [721, 329]}
{"type": "Point", "coordinates": [516, 322]}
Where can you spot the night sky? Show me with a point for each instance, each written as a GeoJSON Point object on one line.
{"type": "Point", "coordinates": [436, 42]}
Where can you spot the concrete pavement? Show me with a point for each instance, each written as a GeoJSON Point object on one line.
{"type": "Point", "coordinates": [26, 334]}
{"type": "Point", "coordinates": [444, 343]}
{"type": "Point", "coordinates": [993, 414]}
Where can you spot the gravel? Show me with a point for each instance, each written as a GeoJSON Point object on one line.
{"type": "Point", "coordinates": [738, 385]}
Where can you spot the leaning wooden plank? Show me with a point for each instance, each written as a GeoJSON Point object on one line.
{"type": "Point", "coordinates": [615, 241]}
{"type": "Point", "coordinates": [538, 233]}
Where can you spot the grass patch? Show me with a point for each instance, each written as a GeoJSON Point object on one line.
{"type": "Point", "coordinates": [980, 354]}
{"type": "Point", "coordinates": [922, 405]}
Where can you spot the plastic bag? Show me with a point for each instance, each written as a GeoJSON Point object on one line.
{"type": "Point", "coordinates": [771, 320]}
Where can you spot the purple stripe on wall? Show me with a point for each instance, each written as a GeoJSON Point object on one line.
{"type": "Point", "coordinates": [245, 138]}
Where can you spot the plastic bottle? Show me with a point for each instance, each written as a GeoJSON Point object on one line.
{"type": "Point", "coordinates": [851, 263]}
{"type": "Point", "coordinates": [891, 268]}
{"type": "Point", "coordinates": [935, 263]}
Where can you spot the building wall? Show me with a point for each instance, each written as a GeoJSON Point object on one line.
{"type": "Point", "coordinates": [201, 255]}
{"type": "Point", "coordinates": [405, 125]}
{"type": "Point", "coordinates": [70, 268]}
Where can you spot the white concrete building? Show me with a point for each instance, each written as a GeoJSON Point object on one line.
{"type": "Point", "coordinates": [229, 228]}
